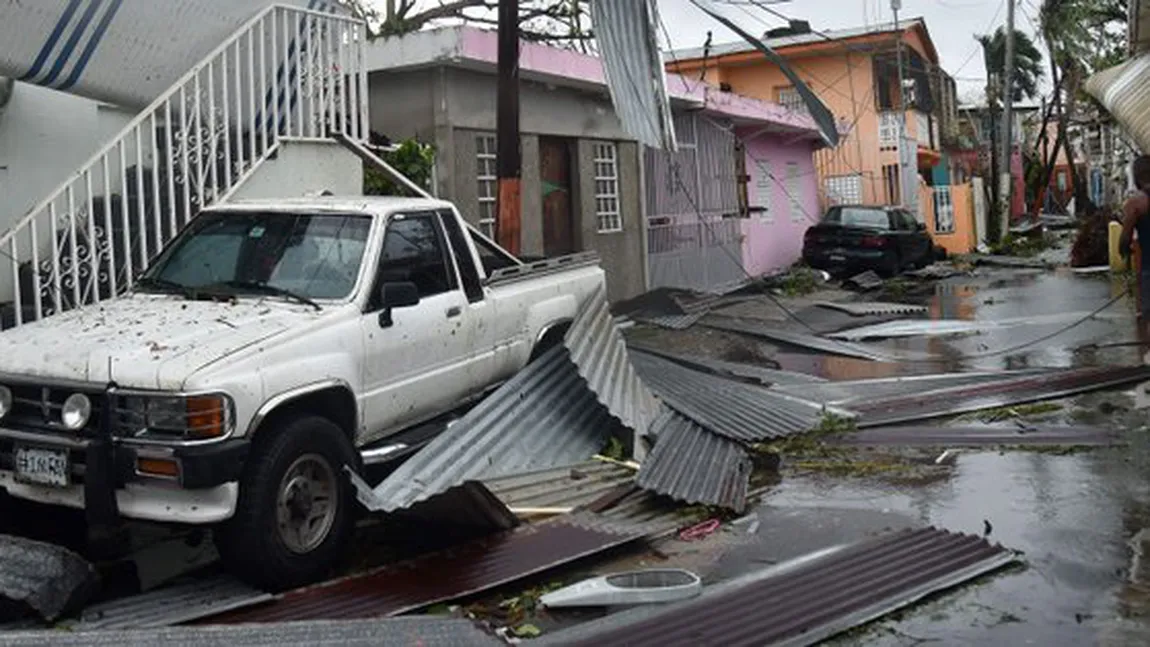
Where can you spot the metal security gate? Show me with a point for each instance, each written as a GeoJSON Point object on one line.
{"type": "Point", "coordinates": [694, 228]}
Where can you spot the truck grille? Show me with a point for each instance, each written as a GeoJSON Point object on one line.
{"type": "Point", "coordinates": [39, 407]}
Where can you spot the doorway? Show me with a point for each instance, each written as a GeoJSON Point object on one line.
{"type": "Point", "coordinates": [555, 180]}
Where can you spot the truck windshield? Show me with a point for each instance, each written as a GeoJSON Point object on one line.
{"type": "Point", "coordinates": [312, 256]}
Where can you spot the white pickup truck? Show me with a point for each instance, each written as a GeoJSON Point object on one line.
{"type": "Point", "coordinates": [270, 344]}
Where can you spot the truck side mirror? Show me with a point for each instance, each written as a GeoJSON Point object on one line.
{"type": "Point", "coordinates": [396, 295]}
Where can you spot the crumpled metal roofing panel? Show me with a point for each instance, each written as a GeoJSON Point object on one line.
{"type": "Point", "coordinates": [567, 486]}
{"type": "Point", "coordinates": [543, 417]}
{"type": "Point", "coordinates": [760, 374]}
{"type": "Point", "coordinates": [390, 632]}
{"type": "Point", "coordinates": [942, 436]}
{"type": "Point", "coordinates": [872, 308]}
{"type": "Point", "coordinates": [820, 344]}
{"type": "Point", "coordinates": [672, 321]}
{"type": "Point", "coordinates": [733, 409]}
{"type": "Point", "coordinates": [997, 393]}
{"type": "Point", "coordinates": [438, 577]}
{"type": "Point", "coordinates": [806, 601]}
{"type": "Point", "coordinates": [49, 578]}
{"type": "Point", "coordinates": [600, 355]}
{"type": "Point", "coordinates": [845, 392]}
{"type": "Point", "coordinates": [1125, 92]}
{"type": "Point", "coordinates": [693, 465]}
{"type": "Point", "coordinates": [629, 48]}
{"type": "Point", "coordinates": [172, 605]}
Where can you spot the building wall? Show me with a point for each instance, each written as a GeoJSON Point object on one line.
{"type": "Point", "coordinates": [773, 233]}
{"type": "Point", "coordinates": [45, 136]}
{"type": "Point", "coordinates": [452, 107]}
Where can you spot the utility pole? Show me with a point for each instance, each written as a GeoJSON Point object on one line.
{"type": "Point", "coordinates": [507, 154]}
{"type": "Point", "coordinates": [895, 6]}
{"type": "Point", "coordinates": [1007, 124]}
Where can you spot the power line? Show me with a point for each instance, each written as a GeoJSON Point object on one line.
{"type": "Point", "coordinates": [978, 46]}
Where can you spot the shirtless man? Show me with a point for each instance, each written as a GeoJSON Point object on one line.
{"type": "Point", "coordinates": [1136, 217]}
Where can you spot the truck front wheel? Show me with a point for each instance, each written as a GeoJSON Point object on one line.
{"type": "Point", "coordinates": [294, 516]}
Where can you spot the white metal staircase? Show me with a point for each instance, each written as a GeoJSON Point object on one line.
{"type": "Point", "coordinates": [287, 73]}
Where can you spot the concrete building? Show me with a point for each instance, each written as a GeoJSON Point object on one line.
{"type": "Point", "coordinates": [587, 184]}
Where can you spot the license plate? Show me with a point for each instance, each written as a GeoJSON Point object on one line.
{"type": "Point", "coordinates": [43, 466]}
{"type": "Point", "coordinates": [838, 257]}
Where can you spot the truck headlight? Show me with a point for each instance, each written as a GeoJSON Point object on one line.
{"type": "Point", "coordinates": [5, 401]}
{"type": "Point", "coordinates": [198, 417]}
{"type": "Point", "coordinates": [76, 412]}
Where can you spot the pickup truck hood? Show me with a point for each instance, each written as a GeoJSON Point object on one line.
{"type": "Point", "coordinates": [143, 341]}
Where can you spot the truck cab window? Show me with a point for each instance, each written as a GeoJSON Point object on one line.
{"type": "Point", "coordinates": [413, 251]}
{"type": "Point", "coordinates": [469, 275]}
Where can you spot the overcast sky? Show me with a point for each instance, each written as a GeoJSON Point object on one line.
{"type": "Point", "coordinates": [953, 25]}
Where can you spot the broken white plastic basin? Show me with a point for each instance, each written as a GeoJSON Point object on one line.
{"type": "Point", "coordinates": [632, 587]}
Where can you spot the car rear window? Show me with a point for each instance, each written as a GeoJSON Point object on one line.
{"type": "Point", "coordinates": [856, 217]}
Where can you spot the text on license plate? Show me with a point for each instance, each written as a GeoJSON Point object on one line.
{"type": "Point", "coordinates": [42, 466]}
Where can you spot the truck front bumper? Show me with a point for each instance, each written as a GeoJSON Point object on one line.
{"type": "Point", "coordinates": [105, 480]}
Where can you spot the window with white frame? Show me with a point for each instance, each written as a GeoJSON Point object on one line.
{"type": "Point", "coordinates": [888, 129]}
{"type": "Point", "coordinates": [922, 129]}
{"type": "Point", "coordinates": [764, 188]}
{"type": "Point", "coordinates": [943, 210]}
{"type": "Point", "coordinates": [843, 189]}
{"type": "Point", "coordinates": [607, 188]}
{"type": "Point", "coordinates": [487, 178]}
{"type": "Point", "coordinates": [794, 192]}
{"type": "Point", "coordinates": [790, 99]}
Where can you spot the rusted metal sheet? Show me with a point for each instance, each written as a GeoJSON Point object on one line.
{"type": "Point", "coordinates": [543, 417]}
{"type": "Point", "coordinates": [693, 465]}
{"type": "Point", "coordinates": [806, 601]}
{"type": "Point", "coordinates": [48, 578]}
{"type": "Point", "coordinates": [439, 577]}
{"type": "Point", "coordinates": [872, 308]}
{"type": "Point", "coordinates": [733, 409]}
{"type": "Point", "coordinates": [920, 436]}
{"type": "Point", "coordinates": [600, 356]}
{"type": "Point", "coordinates": [925, 405]}
{"type": "Point", "coordinates": [392, 632]}
{"type": "Point", "coordinates": [172, 605]}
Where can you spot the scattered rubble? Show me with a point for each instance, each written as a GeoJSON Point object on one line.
{"type": "Point", "coordinates": [50, 579]}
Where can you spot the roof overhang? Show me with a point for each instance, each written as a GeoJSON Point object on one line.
{"type": "Point", "coordinates": [1138, 26]}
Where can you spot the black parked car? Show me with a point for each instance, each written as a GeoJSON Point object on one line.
{"type": "Point", "coordinates": [857, 238]}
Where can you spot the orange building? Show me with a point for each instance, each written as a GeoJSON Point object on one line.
{"type": "Point", "coordinates": [855, 72]}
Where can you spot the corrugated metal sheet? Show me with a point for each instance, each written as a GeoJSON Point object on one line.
{"type": "Point", "coordinates": [672, 321]}
{"type": "Point", "coordinates": [811, 342]}
{"type": "Point", "coordinates": [762, 375]}
{"type": "Point", "coordinates": [49, 578]}
{"type": "Point", "coordinates": [693, 465]}
{"type": "Point", "coordinates": [543, 417]}
{"type": "Point", "coordinates": [999, 393]}
{"type": "Point", "coordinates": [978, 437]}
{"type": "Point", "coordinates": [629, 46]}
{"type": "Point", "coordinates": [807, 601]}
{"type": "Point", "coordinates": [733, 409]}
{"type": "Point", "coordinates": [568, 486]}
{"type": "Point", "coordinates": [600, 355]}
{"type": "Point", "coordinates": [873, 308]}
{"type": "Point", "coordinates": [845, 392]}
{"type": "Point", "coordinates": [439, 577]}
{"type": "Point", "coordinates": [172, 606]}
{"type": "Point", "coordinates": [868, 280]}
{"type": "Point", "coordinates": [392, 632]}
{"type": "Point", "coordinates": [1125, 92]}
{"type": "Point", "coordinates": [939, 327]}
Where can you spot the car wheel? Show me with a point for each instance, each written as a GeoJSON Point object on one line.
{"type": "Point", "coordinates": [294, 517]}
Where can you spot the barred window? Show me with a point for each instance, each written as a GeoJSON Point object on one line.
{"type": "Point", "coordinates": [843, 189]}
{"type": "Point", "coordinates": [607, 188]}
{"type": "Point", "coordinates": [487, 179]}
{"type": "Point", "coordinates": [790, 99]}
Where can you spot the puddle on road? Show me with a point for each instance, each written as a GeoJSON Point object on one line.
{"type": "Point", "coordinates": [1072, 517]}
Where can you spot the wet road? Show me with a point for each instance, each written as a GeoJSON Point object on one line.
{"type": "Point", "coordinates": [1081, 521]}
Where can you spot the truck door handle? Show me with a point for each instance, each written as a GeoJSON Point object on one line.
{"type": "Point", "coordinates": [454, 311]}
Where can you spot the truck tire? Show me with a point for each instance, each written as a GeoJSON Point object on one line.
{"type": "Point", "coordinates": [295, 515]}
